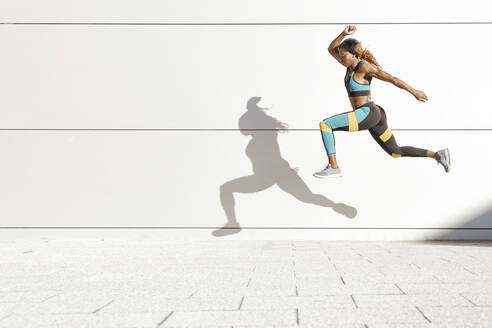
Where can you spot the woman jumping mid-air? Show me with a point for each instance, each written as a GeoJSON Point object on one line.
{"type": "Point", "coordinates": [361, 68]}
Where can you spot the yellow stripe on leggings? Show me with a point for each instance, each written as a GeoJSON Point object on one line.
{"type": "Point", "coordinates": [386, 135]}
{"type": "Point", "coordinates": [324, 127]}
{"type": "Point", "coordinates": [395, 155]}
{"type": "Point", "coordinates": [353, 125]}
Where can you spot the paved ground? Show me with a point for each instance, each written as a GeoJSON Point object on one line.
{"type": "Point", "coordinates": [106, 283]}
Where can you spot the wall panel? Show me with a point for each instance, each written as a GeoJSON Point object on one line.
{"type": "Point", "coordinates": [173, 179]}
{"type": "Point", "coordinates": [179, 11]}
{"type": "Point", "coordinates": [201, 77]}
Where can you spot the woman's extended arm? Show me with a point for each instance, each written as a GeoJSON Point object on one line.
{"type": "Point", "coordinates": [378, 72]}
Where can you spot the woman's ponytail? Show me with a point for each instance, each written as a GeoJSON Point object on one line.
{"type": "Point", "coordinates": [367, 55]}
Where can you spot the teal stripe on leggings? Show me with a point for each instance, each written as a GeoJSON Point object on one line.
{"type": "Point", "coordinates": [338, 121]}
{"type": "Point", "coordinates": [329, 141]}
{"type": "Point", "coordinates": [361, 113]}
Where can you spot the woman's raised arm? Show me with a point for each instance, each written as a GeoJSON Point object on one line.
{"type": "Point", "coordinates": [332, 48]}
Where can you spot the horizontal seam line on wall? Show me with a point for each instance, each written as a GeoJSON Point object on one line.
{"type": "Point", "coordinates": [246, 228]}
{"type": "Point", "coordinates": [246, 23]}
{"type": "Point", "coordinates": [278, 130]}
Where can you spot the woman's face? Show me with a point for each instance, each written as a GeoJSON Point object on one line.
{"type": "Point", "coordinates": [348, 58]}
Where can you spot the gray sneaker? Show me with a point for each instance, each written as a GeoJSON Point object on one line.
{"type": "Point", "coordinates": [329, 172]}
{"type": "Point", "coordinates": [444, 159]}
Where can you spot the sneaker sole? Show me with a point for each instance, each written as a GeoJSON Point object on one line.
{"type": "Point", "coordinates": [328, 176]}
{"type": "Point", "coordinates": [446, 151]}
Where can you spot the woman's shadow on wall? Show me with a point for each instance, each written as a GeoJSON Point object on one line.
{"type": "Point", "coordinates": [269, 168]}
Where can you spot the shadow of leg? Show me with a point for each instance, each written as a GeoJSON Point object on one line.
{"type": "Point", "coordinates": [293, 184]}
{"type": "Point", "coordinates": [247, 184]}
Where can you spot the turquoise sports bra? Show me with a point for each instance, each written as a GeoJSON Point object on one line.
{"type": "Point", "coordinates": [355, 89]}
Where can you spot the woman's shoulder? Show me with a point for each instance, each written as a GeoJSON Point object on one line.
{"type": "Point", "coordinates": [366, 66]}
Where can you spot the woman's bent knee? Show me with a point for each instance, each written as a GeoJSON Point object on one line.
{"type": "Point", "coordinates": [324, 127]}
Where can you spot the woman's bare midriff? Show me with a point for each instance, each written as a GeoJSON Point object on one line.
{"type": "Point", "coordinates": [359, 101]}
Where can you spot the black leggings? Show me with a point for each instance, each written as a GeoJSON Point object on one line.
{"type": "Point", "coordinates": [370, 117]}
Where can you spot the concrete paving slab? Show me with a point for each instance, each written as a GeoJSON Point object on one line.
{"type": "Point", "coordinates": [279, 318]}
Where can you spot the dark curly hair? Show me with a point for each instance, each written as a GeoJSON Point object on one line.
{"type": "Point", "coordinates": [355, 47]}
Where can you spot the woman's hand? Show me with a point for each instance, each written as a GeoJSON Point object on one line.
{"type": "Point", "coordinates": [420, 95]}
{"type": "Point", "coordinates": [349, 30]}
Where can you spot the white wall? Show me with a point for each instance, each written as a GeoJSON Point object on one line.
{"type": "Point", "coordinates": [139, 125]}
